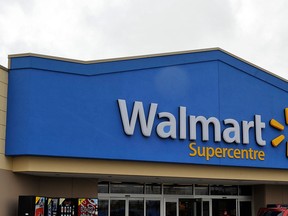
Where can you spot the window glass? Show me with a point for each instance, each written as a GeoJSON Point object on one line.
{"type": "Point", "coordinates": [136, 208]}
{"type": "Point", "coordinates": [171, 209]}
{"type": "Point", "coordinates": [153, 189]}
{"type": "Point", "coordinates": [153, 208]}
{"type": "Point", "coordinates": [245, 190]}
{"type": "Point", "coordinates": [103, 187]}
{"type": "Point", "coordinates": [127, 188]}
{"type": "Point", "coordinates": [272, 213]}
{"type": "Point", "coordinates": [103, 208]}
{"type": "Point", "coordinates": [206, 208]}
{"type": "Point", "coordinates": [245, 208]}
{"type": "Point", "coordinates": [201, 189]}
{"type": "Point", "coordinates": [178, 189]}
{"type": "Point", "coordinates": [224, 190]}
{"type": "Point", "coordinates": [117, 208]}
{"type": "Point", "coordinates": [189, 207]}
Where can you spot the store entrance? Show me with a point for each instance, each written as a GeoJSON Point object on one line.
{"type": "Point", "coordinates": [186, 207]}
{"type": "Point", "coordinates": [231, 207]}
{"type": "Point", "coordinates": [132, 199]}
{"type": "Point", "coordinates": [224, 207]}
{"type": "Point", "coordinates": [190, 207]}
{"type": "Point", "coordinates": [130, 207]}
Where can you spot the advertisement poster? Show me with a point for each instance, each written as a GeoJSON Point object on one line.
{"type": "Point", "coordinates": [87, 207]}
{"type": "Point", "coordinates": [39, 206]}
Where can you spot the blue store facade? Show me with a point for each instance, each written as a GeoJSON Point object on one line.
{"type": "Point", "coordinates": [199, 132]}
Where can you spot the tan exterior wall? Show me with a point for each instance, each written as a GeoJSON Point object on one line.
{"type": "Point", "coordinates": [259, 196]}
{"type": "Point", "coordinates": [68, 187]}
{"type": "Point", "coordinates": [276, 194]}
{"type": "Point", "coordinates": [5, 163]}
{"type": "Point", "coordinates": [269, 194]}
{"type": "Point", "coordinates": [64, 166]}
{"type": "Point", "coordinates": [12, 185]}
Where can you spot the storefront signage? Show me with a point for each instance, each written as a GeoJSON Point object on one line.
{"type": "Point", "coordinates": [193, 108]}
{"type": "Point", "coordinates": [233, 131]}
{"type": "Point", "coordinates": [231, 134]}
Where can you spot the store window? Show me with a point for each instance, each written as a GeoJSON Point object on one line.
{"type": "Point", "coordinates": [127, 188]}
{"type": "Point", "coordinates": [103, 187]}
{"type": "Point", "coordinates": [178, 189]}
{"type": "Point", "coordinates": [201, 189]}
{"type": "Point", "coordinates": [117, 208]}
{"type": "Point", "coordinates": [152, 207]}
{"type": "Point", "coordinates": [174, 189]}
{"type": "Point", "coordinates": [103, 207]}
{"type": "Point", "coordinates": [179, 199]}
{"type": "Point", "coordinates": [136, 207]}
{"type": "Point", "coordinates": [224, 190]}
{"type": "Point", "coordinates": [245, 190]}
{"type": "Point", "coordinates": [153, 189]}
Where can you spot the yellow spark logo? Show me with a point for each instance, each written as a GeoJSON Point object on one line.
{"type": "Point", "coordinates": [277, 125]}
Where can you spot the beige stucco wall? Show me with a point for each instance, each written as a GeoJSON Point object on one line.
{"type": "Point", "coordinates": [142, 169]}
{"type": "Point", "coordinates": [5, 163]}
{"type": "Point", "coordinates": [269, 194]}
{"type": "Point", "coordinates": [276, 194]}
{"type": "Point", "coordinates": [259, 197]}
{"type": "Point", "coordinates": [12, 185]}
{"type": "Point", "coordinates": [68, 187]}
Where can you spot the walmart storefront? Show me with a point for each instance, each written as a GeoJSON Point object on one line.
{"type": "Point", "coordinates": [189, 133]}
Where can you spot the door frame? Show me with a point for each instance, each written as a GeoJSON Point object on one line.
{"type": "Point", "coordinates": [127, 198]}
{"type": "Point", "coordinates": [173, 200]}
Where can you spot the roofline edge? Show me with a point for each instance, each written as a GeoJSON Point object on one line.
{"type": "Point", "coordinates": [111, 59]}
{"type": "Point", "coordinates": [139, 57]}
{"type": "Point", "coordinates": [3, 68]}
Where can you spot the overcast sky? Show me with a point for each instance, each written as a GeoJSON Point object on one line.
{"type": "Point", "coordinates": [256, 30]}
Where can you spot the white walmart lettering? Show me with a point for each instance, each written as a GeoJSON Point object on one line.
{"type": "Point", "coordinates": [232, 133]}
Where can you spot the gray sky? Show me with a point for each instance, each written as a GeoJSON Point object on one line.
{"type": "Point", "coordinates": [256, 30]}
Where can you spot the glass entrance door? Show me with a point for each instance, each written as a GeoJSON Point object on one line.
{"type": "Point", "coordinates": [129, 206]}
{"type": "Point", "coordinates": [117, 207]}
{"type": "Point", "coordinates": [224, 207]}
{"type": "Point", "coordinates": [136, 207]}
{"type": "Point", "coordinates": [171, 207]}
{"type": "Point", "coordinates": [245, 208]}
{"type": "Point", "coordinates": [152, 207]}
{"type": "Point", "coordinates": [174, 207]}
{"type": "Point", "coordinates": [190, 207]}
{"type": "Point", "coordinates": [206, 207]}
{"type": "Point", "coordinates": [185, 207]}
